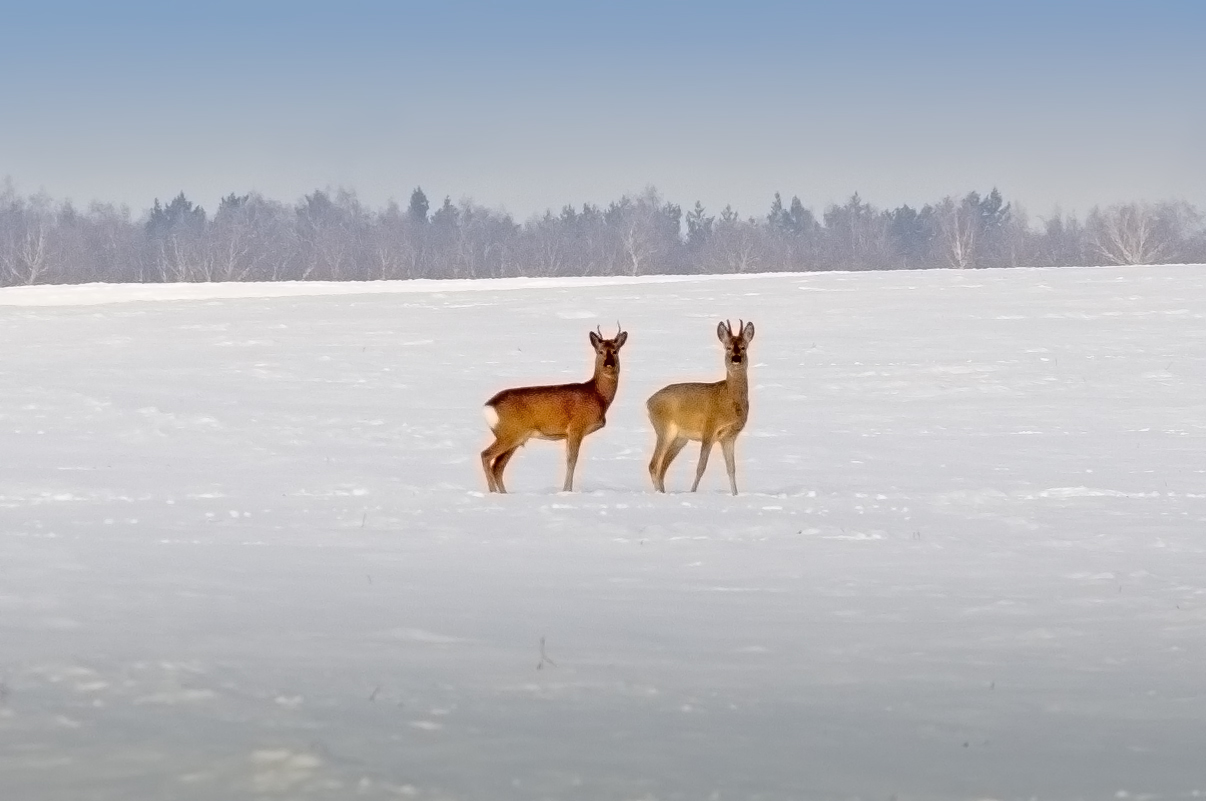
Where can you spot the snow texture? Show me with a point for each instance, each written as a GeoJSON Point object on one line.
{"type": "Point", "coordinates": [246, 552]}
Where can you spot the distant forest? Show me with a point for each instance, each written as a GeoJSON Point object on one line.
{"type": "Point", "coordinates": [330, 235]}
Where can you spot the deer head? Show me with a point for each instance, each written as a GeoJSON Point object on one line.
{"type": "Point", "coordinates": [607, 351]}
{"type": "Point", "coordinates": [735, 345]}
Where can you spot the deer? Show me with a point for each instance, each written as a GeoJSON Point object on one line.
{"type": "Point", "coordinates": [559, 412]}
{"type": "Point", "coordinates": [706, 413]}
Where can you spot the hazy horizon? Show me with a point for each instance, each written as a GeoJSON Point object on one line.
{"type": "Point", "coordinates": [533, 107]}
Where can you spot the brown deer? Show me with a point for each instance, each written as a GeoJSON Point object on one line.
{"type": "Point", "coordinates": [562, 411]}
{"type": "Point", "coordinates": [707, 413]}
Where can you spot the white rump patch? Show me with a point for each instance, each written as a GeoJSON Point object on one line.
{"type": "Point", "coordinates": [491, 416]}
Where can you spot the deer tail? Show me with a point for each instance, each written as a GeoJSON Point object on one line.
{"type": "Point", "coordinates": [491, 415]}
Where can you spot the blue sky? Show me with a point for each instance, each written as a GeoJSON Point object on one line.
{"type": "Point", "coordinates": [528, 106]}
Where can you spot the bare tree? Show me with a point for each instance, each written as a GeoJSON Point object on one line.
{"type": "Point", "coordinates": [736, 246]}
{"type": "Point", "coordinates": [389, 244]}
{"type": "Point", "coordinates": [546, 246]}
{"type": "Point", "coordinates": [857, 235]}
{"type": "Point", "coordinates": [31, 251]}
{"type": "Point", "coordinates": [485, 241]}
{"type": "Point", "coordinates": [330, 235]}
{"type": "Point", "coordinates": [1135, 233]}
{"type": "Point", "coordinates": [647, 231]}
{"type": "Point", "coordinates": [27, 228]}
{"type": "Point", "coordinates": [958, 230]}
{"type": "Point", "coordinates": [109, 247]}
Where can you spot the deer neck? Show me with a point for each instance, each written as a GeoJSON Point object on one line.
{"type": "Point", "coordinates": [737, 381]}
{"type": "Point", "coordinates": [606, 383]}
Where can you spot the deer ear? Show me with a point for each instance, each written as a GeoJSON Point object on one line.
{"type": "Point", "coordinates": [722, 333]}
{"type": "Point", "coordinates": [748, 333]}
{"type": "Point", "coordinates": [621, 338]}
{"type": "Point", "coordinates": [595, 339]}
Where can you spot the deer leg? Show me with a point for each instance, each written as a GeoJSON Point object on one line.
{"type": "Point", "coordinates": [572, 442]}
{"type": "Point", "coordinates": [705, 447]}
{"type": "Point", "coordinates": [499, 464]}
{"type": "Point", "coordinates": [493, 461]}
{"type": "Point", "coordinates": [658, 455]}
{"type": "Point", "coordinates": [728, 447]}
{"type": "Point", "coordinates": [488, 456]}
{"type": "Point", "coordinates": [672, 451]}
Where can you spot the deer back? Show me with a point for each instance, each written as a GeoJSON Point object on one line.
{"type": "Point", "coordinates": [710, 410]}
{"type": "Point", "coordinates": [548, 411]}
{"type": "Point", "coordinates": [552, 411]}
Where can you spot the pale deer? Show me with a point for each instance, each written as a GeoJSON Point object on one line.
{"type": "Point", "coordinates": [706, 413]}
{"type": "Point", "coordinates": [562, 411]}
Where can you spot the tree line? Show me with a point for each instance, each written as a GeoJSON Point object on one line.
{"type": "Point", "coordinates": [331, 235]}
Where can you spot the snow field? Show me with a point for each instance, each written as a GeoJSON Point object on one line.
{"type": "Point", "coordinates": [246, 549]}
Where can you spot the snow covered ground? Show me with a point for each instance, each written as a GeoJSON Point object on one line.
{"type": "Point", "coordinates": [245, 549]}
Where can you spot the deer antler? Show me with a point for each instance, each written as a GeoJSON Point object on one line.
{"type": "Point", "coordinates": [619, 328]}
